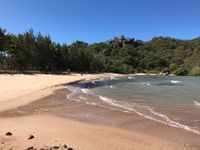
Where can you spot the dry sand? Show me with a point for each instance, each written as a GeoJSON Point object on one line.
{"type": "Point", "coordinates": [16, 90]}
{"type": "Point", "coordinates": [48, 129]}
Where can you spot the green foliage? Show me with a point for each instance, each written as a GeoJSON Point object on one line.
{"type": "Point", "coordinates": [173, 66]}
{"type": "Point", "coordinates": [30, 51]}
{"type": "Point", "coordinates": [180, 71]}
{"type": "Point", "coordinates": [194, 73]}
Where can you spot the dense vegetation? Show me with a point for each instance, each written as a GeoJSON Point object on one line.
{"type": "Point", "coordinates": [29, 51]}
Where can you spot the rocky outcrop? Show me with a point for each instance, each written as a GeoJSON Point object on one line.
{"type": "Point", "coordinates": [121, 42]}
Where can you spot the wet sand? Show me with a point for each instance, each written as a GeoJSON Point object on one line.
{"type": "Point", "coordinates": [54, 118]}
{"type": "Point", "coordinates": [58, 105]}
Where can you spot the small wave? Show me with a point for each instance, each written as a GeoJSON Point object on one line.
{"type": "Point", "coordinates": [131, 77]}
{"type": "Point", "coordinates": [105, 99]}
{"type": "Point", "coordinates": [91, 103]}
{"type": "Point", "coordinates": [85, 91]}
{"type": "Point", "coordinates": [126, 111]}
{"type": "Point", "coordinates": [171, 122]}
{"type": "Point", "coordinates": [145, 83]}
{"type": "Point", "coordinates": [196, 103]}
{"type": "Point", "coordinates": [174, 81]}
{"type": "Point", "coordinates": [94, 82]}
{"type": "Point", "coordinates": [113, 78]}
{"type": "Point", "coordinates": [73, 92]}
{"type": "Point", "coordinates": [164, 119]}
{"type": "Point", "coordinates": [70, 96]}
{"type": "Point", "coordinates": [83, 98]}
{"type": "Point", "coordinates": [109, 86]}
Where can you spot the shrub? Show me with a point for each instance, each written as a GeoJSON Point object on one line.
{"type": "Point", "coordinates": [180, 72]}
{"type": "Point", "coordinates": [194, 73]}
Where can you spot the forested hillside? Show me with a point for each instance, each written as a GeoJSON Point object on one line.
{"type": "Point", "coordinates": [30, 51]}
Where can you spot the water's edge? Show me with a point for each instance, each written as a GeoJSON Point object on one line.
{"type": "Point", "coordinates": [76, 91]}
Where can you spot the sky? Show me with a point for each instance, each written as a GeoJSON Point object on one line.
{"type": "Point", "coordinates": [99, 20]}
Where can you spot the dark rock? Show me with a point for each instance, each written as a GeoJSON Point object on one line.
{"type": "Point", "coordinates": [30, 148]}
{"type": "Point", "coordinates": [166, 72]}
{"type": "Point", "coordinates": [31, 137]}
{"type": "Point", "coordinates": [55, 147]}
{"type": "Point", "coordinates": [65, 146]}
{"type": "Point", "coordinates": [70, 148]}
{"type": "Point", "coordinates": [8, 134]}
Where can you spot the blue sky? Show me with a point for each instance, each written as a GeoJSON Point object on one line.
{"type": "Point", "coordinates": [99, 20]}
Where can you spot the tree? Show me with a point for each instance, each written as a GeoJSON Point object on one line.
{"type": "Point", "coordinates": [30, 51]}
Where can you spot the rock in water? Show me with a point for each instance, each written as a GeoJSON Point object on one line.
{"type": "Point", "coordinates": [8, 134]}
{"type": "Point", "coordinates": [31, 137]}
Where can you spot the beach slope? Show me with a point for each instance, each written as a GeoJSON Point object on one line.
{"type": "Point", "coordinates": [50, 130]}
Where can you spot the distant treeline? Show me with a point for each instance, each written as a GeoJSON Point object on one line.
{"type": "Point", "coordinates": [29, 51]}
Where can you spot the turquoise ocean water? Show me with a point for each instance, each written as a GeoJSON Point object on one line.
{"type": "Point", "coordinates": [174, 101]}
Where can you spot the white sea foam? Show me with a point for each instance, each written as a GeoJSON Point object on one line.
{"type": "Point", "coordinates": [94, 82]}
{"type": "Point", "coordinates": [174, 81]}
{"type": "Point", "coordinates": [145, 83]}
{"type": "Point", "coordinates": [105, 99]}
{"type": "Point", "coordinates": [131, 77]}
{"type": "Point", "coordinates": [196, 103]}
{"type": "Point", "coordinates": [85, 91]}
{"type": "Point", "coordinates": [73, 92]}
{"type": "Point", "coordinates": [126, 111]}
{"type": "Point", "coordinates": [111, 86]}
{"type": "Point", "coordinates": [113, 78]}
{"type": "Point", "coordinates": [172, 123]}
{"type": "Point", "coordinates": [91, 103]}
{"type": "Point", "coordinates": [163, 118]}
{"type": "Point", "coordinates": [70, 96]}
{"type": "Point", "coordinates": [83, 98]}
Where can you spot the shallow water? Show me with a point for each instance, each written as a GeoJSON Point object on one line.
{"type": "Point", "coordinates": [174, 101]}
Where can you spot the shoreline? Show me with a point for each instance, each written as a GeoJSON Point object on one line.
{"type": "Point", "coordinates": [129, 126]}
{"type": "Point", "coordinates": [110, 102]}
{"type": "Point", "coordinates": [85, 114]}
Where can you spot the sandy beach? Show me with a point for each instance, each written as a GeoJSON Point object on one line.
{"type": "Point", "coordinates": [37, 105]}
